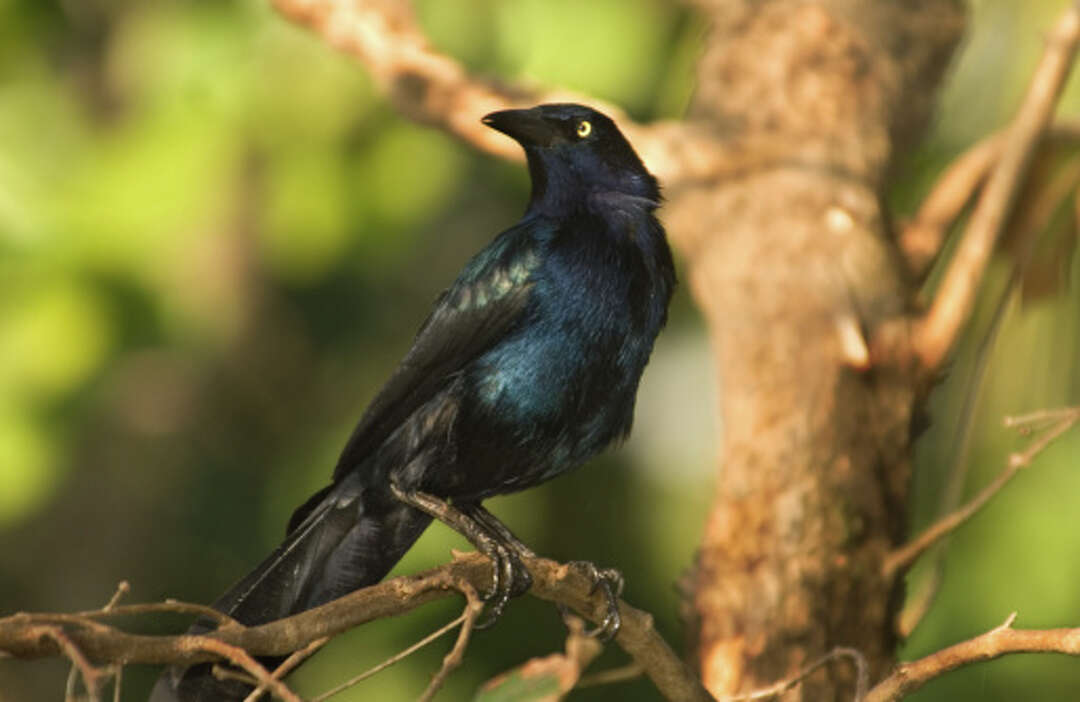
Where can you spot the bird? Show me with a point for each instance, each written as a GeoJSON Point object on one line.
{"type": "Point", "coordinates": [527, 366]}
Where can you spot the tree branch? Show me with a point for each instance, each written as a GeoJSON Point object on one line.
{"type": "Point", "coordinates": [287, 666]}
{"type": "Point", "coordinates": [28, 635]}
{"type": "Point", "coordinates": [242, 659]}
{"type": "Point", "coordinates": [922, 238]}
{"type": "Point", "coordinates": [557, 674]}
{"type": "Point", "coordinates": [906, 554]}
{"type": "Point", "coordinates": [400, 655]}
{"type": "Point", "coordinates": [1000, 641]}
{"type": "Point", "coordinates": [862, 676]}
{"type": "Point", "coordinates": [92, 677]}
{"type": "Point", "coordinates": [434, 89]}
{"type": "Point", "coordinates": [936, 333]}
{"type": "Point", "coordinates": [457, 654]}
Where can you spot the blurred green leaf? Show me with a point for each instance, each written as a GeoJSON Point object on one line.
{"type": "Point", "coordinates": [607, 48]}
{"type": "Point", "coordinates": [40, 138]}
{"type": "Point", "coordinates": [28, 470]}
{"type": "Point", "coordinates": [307, 219]}
{"type": "Point", "coordinates": [52, 337]}
{"type": "Point", "coordinates": [411, 172]}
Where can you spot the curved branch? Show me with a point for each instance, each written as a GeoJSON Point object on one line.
{"type": "Point", "coordinates": [775, 690]}
{"type": "Point", "coordinates": [30, 635]}
{"type": "Point", "coordinates": [1000, 641]}
{"type": "Point", "coordinates": [906, 554]}
{"type": "Point", "coordinates": [922, 238]}
{"type": "Point", "coordinates": [287, 666]}
{"type": "Point", "coordinates": [434, 89]}
{"type": "Point", "coordinates": [954, 300]}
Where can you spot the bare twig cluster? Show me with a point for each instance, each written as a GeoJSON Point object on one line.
{"type": "Point", "coordinates": [86, 639]}
{"type": "Point", "coordinates": [1061, 421]}
{"type": "Point", "coordinates": [937, 332]}
{"type": "Point", "coordinates": [862, 677]}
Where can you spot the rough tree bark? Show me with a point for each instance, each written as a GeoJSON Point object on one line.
{"type": "Point", "coordinates": [793, 264]}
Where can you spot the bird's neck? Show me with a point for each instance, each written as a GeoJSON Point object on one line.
{"type": "Point", "coordinates": [559, 190]}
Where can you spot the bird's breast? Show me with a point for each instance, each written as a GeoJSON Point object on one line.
{"type": "Point", "coordinates": [576, 359]}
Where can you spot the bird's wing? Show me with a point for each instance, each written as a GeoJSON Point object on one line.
{"type": "Point", "coordinates": [468, 318]}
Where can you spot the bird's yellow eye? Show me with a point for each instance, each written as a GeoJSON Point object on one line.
{"type": "Point", "coordinates": [584, 128]}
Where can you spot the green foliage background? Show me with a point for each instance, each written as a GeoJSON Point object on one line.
{"type": "Point", "coordinates": [216, 240]}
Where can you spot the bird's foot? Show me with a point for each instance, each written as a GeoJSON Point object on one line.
{"type": "Point", "coordinates": [509, 578]}
{"type": "Point", "coordinates": [610, 582]}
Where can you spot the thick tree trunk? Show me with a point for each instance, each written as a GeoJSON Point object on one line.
{"type": "Point", "coordinates": [792, 263]}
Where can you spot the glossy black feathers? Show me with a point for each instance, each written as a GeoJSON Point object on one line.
{"type": "Point", "coordinates": [527, 366]}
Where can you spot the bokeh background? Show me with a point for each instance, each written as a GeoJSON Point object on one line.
{"type": "Point", "coordinates": [216, 240]}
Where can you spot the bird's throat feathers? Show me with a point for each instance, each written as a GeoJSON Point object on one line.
{"type": "Point", "coordinates": [562, 187]}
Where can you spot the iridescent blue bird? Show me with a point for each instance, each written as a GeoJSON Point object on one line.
{"type": "Point", "coordinates": [527, 366]}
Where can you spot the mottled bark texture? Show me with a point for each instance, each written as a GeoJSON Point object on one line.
{"type": "Point", "coordinates": [793, 265]}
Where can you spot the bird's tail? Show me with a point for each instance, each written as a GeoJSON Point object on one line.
{"type": "Point", "coordinates": [343, 538]}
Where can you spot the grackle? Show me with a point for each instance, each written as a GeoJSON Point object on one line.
{"type": "Point", "coordinates": [527, 366]}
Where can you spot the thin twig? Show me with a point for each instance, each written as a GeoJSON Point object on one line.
{"type": "Point", "coordinates": [457, 654]}
{"type": "Point", "coordinates": [1042, 416]}
{"type": "Point", "coordinates": [953, 302]}
{"type": "Point", "coordinates": [122, 588]}
{"type": "Point", "coordinates": [69, 685]}
{"type": "Point", "coordinates": [222, 671]}
{"type": "Point", "coordinates": [294, 659]}
{"type": "Point", "coordinates": [242, 659]}
{"type": "Point", "coordinates": [118, 679]}
{"type": "Point", "coordinates": [999, 641]}
{"type": "Point", "coordinates": [906, 554]}
{"type": "Point", "coordinates": [91, 676]}
{"type": "Point", "coordinates": [1023, 458]}
{"type": "Point", "coordinates": [919, 600]}
{"type": "Point", "coordinates": [624, 673]}
{"type": "Point", "coordinates": [922, 238]}
{"type": "Point", "coordinates": [918, 603]}
{"type": "Point", "coordinates": [401, 655]}
{"type": "Point", "coordinates": [862, 677]}
{"type": "Point", "coordinates": [170, 605]}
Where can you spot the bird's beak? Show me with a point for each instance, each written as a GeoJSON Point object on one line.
{"type": "Point", "coordinates": [525, 126]}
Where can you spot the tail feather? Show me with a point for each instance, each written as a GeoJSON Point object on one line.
{"type": "Point", "coordinates": [341, 539]}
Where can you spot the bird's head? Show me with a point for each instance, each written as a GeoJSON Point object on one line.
{"type": "Point", "coordinates": [574, 151]}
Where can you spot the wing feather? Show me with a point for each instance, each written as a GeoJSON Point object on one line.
{"type": "Point", "coordinates": [471, 316]}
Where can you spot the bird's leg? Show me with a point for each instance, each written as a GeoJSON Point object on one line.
{"type": "Point", "coordinates": [496, 528]}
{"type": "Point", "coordinates": [611, 582]}
{"type": "Point", "coordinates": [501, 533]}
{"type": "Point", "coordinates": [505, 565]}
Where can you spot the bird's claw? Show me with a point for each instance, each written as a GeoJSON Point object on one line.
{"type": "Point", "coordinates": [509, 578]}
{"type": "Point", "coordinates": [611, 582]}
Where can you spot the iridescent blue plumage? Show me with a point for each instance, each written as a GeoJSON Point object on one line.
{"type": "Point", "coordinates": [527, 366]}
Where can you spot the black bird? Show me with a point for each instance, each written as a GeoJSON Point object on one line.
{"type": "Point", "coordinates": [527, 366]}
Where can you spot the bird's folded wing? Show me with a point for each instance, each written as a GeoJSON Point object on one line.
{"type": "Point", "coordinates": [479, 309]}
